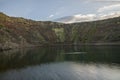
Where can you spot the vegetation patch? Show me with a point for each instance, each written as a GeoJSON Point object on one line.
{"type": "Point", "coordinates": [60, 34]}
{"type": "Point", "coordinates": [1, 26]}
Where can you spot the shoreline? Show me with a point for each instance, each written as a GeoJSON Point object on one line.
{"type": "Point", "coordinates": [62, 44]}
{"type": "Point", "coordinates": [72, 44]}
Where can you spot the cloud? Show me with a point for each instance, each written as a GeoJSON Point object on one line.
{"type": "Point", "coordinates": [110, 15]}
{"type": "Point", "coordinates": [51, 16]}
{"type": "Point", "coordinates": [77, 18]}
{"type": "Point", "coordinates": [81, 18]}
{"type": "Point", "coordinates": [109, 8]}
{"type": "Point", "coordinates": [87, 17]}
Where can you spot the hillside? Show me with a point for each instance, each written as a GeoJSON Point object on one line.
{"type": "Point", "coordinates": [20, 32]}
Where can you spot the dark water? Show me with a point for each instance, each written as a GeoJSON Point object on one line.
{"type": "Point", "coordinates": [61, 63]}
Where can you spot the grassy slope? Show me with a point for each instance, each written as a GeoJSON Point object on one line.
{"type": "Point", "coordinates": [20, 32]}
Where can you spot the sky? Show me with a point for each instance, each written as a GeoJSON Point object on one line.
{"type": "Point", "coordinates": [44, 10]}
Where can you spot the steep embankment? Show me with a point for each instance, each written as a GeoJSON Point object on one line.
{"type": "Point", "coordinates": [20, 32]}
{"type": "Point", "coordinates": [97, 31]}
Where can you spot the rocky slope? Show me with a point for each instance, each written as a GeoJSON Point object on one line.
{"type": "Point", "coordinates": [20, 32]}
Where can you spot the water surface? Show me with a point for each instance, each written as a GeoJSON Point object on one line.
{"type": "Point", "coordinates": [61, 63]}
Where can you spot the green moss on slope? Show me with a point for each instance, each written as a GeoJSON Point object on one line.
{"type": "Point", "coordinates": [60, 34]}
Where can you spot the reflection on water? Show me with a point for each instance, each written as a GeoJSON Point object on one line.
{"type": "Point", "coordinates": [64, 71]}
{"type": "Point", "coordinates": [61, 63]}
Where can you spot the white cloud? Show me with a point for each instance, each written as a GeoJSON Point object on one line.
{"type": "Point", "coordinates": [81, 18]}
{"type": "Point", "coordinates": [110, 15]}
{"type": "Point", "coordinates": [50, 16]}
{"type": "Point", "coordinates": [109, 8]}
{"type": "Point", "coordinates": [78, 18]}
{"type": "Point", "coordinates": [88, 17]}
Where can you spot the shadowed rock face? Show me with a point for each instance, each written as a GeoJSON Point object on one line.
{"type": "Point", "coordinates": [20, 32]}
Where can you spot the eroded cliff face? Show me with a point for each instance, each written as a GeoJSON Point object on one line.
{"type": "Point", "coordinates": [20, 32]}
